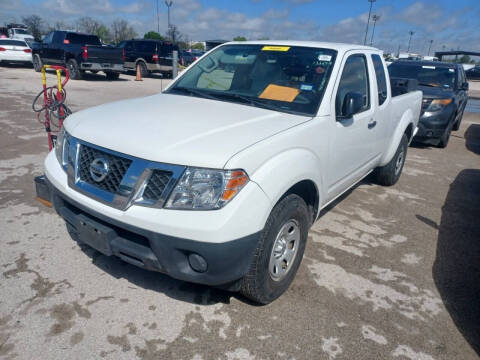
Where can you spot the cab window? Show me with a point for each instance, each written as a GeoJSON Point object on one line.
{"type": "Point", "coordinates": [381, 78]}
{"type": "Point", "coordinates": [354, 80]}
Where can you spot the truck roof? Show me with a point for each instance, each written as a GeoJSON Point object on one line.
{"type": "Point", "coordinates": [426, 63]}
{"type": "Point", "coordinates": [340, 47]}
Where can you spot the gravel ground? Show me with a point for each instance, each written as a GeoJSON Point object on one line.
{"type": "Point", "coordinates": [388, 273]}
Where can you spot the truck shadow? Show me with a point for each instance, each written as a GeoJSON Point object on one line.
{"type": "Point", "coordinates": [456, 270]}
{"type": "Point", "coordinates": [472, 138]}
{"type": "Point", "coordinates": [158, 282]}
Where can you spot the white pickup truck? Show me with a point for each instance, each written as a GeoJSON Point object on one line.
{"type": "Point", "coordinates": [218, 179]}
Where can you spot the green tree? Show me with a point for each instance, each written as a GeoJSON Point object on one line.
{"type": "Point", "coordinates": [35, 25]}
{"type": "Point", "coordinates": [239, 38]}
{"type": "Point", "coordinates": [198, 46]}
{"type": "Point", "coordinates": [122, 30]}
{"type": "Point", "coordinates": [153, 35]}
{"type": "Point", "coordinates": [103, 33]}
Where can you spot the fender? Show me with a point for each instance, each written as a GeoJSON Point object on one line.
{"type": "Point", "coordinates": [305, 165]}
{"type": "Point", "coordinates": [407, 119]}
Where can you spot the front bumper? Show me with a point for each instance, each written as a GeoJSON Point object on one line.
{"type": "Point", "coordinates": [102, 67]}
{"type": "Point", "coordinates": [432, 126]}
{"type": "Point", "coordinates": [165, 240]}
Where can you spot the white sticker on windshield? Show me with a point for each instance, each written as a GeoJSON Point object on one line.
{"type": "Point", "coordinates": [428, 67]}
{"type": "Point", "coordinates": [451, 70]}
{"type": "Point", "coordinates": [324, 57]}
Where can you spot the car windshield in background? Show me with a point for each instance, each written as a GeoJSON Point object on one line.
{"type": "Point", "coordinates": [21, 31]}
{"type": "Point", "coordinates": [427, 75]}
{"type": "Point", "coordinates": [282, 78]}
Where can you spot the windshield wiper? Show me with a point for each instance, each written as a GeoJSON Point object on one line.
{"type": "Point", "coordinates": [251, 101]}
{"type": "Point", "coordinates": [195, 92]}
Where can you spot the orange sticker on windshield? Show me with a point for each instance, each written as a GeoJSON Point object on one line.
{"type": "Point", "coordinates": [275, 48]}
{"type": "Point", "coordinates": [279, 93]}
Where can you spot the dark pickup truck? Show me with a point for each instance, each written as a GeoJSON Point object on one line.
{"type": "Point", "coordinates": [79, 53]}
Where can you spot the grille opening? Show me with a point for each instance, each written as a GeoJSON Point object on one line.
{"type": "Point", "coordinates": [118, 166]}
{"type": "Point", "coordinates": [121, 232]}
{"type": "Point", "coordinates": [156, 184]}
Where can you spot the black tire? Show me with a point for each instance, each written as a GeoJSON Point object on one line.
{"type": "Point", "coordinates": [112, 75]}
{"type": "Point", "coordinates": [143, 69]}
{"type": "Point", "coordinates": [74, 70]}
{"type": "Point", "coordinates": [37, 63]}
{"type": "Point", "coordinates": [389, 174]}
{"type": "Point", "coordinates": [258, 284]}
{"type": "Point", "coordinates": [457, 124]}
{"type": "Point", "coordinates": [442, 144]}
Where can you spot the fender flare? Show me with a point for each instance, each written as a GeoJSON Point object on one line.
{"type": "Point", "coordinates": [306, 166]}
{"type": "Point", "coordinates": [403, 124]}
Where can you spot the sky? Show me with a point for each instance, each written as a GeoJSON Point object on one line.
{"type": "Point", "coordinates": [451, 24]}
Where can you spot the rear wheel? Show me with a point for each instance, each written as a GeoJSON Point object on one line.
{"type": "Point", "coordinates": [143, 69]}
{"type": "Point", "coordinates": [279, 251]}
{"type": "Point", "coordinates": [112, 75]}
{"type": "Point", "coordinates": [37, 63]}
{"type": "Point", "coordinates": [74, 69]}
{"type": "Point", "coordinates": [389, 174]}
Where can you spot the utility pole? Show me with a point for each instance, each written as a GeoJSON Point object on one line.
{"type": "Point", "coordinates": [368, 21]}
{"type": "Point", "coordinates": [169, 4]}
{"type": "Point", "coordinates": [375, 18]}
{"type": "Point", "coordinates": [429, 47]}
{"type": "Point", "coordinates": [409, 40]}
{"type": "Point", "coordinates": [158, 19]}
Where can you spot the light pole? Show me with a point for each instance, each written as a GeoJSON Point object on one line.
{"type": "Point", "coordinates": [169, 4]}
{"type": "Point", "coordinates": [429, 47]}
{"type": "Point", "coordinates": [368, 21]}
{"type": "Point", "coordinates": [375, 18]}
{"type": "Point", "coordinates": [410, 39]}
{"type": "Point", "coordinates": [158, 19]}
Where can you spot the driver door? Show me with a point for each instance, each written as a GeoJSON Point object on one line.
{"type": "Point", "coordinates": [352, 144]}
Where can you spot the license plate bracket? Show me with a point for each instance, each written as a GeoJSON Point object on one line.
{"type": "Point", "coordinates": [95, 234]}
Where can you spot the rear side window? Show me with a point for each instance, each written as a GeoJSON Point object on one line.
{"type": "Point", "coordinates": [82, 39]}
{"type": "Point", "coordinates": [354, 79]}
{"type": "Point", "coordinates": [13, 42]}
{"type": "Point", "coordinates": [381, 78]}
{"type": "Point", "coordinates": [146, 46]}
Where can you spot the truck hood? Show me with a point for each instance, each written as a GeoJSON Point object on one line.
{"type": "Point", "coordinates": [178, 129]}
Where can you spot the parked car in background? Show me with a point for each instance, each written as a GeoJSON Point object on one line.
{"type": "Point", "coordinates": [445, 95]}
{"type": "Point", "coordinates": [473, 73]}
{"type": "Point", "coordinates": [150, 55]}
{"type": "Point", "coordinates": [79, 53]}
{"type": "Point", "coordinates": [218, 179]}
{"type": "Point", "coordinates": [185, 58]}
{"type": "Point", "coordinates": [15, 51]}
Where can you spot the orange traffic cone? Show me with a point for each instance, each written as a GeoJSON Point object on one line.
{"type": "Point", "coordinates": [139, 74]}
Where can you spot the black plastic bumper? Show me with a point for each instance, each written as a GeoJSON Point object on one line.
{"type": "Point", "coordinates": [216, 263]}
{"type": "Point", "coordinates": [432, 128]}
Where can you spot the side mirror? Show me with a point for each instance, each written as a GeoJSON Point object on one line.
{"type": "Point", "coordinates": [352, 104]}
{"type": "Point", "coordinates": [464, 86]}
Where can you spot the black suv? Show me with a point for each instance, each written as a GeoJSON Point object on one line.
{"type": "Point", "coordinates": [445, 95]}
{"type": "Point", "coordinates": [150, 55]}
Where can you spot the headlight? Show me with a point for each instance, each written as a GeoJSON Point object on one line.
{"type": "Point", "coordinates": [438, 104]}
{"type": "Point", "coordinates": [59, 145]}
{"type": "Point", "coordinates": [206, 189]}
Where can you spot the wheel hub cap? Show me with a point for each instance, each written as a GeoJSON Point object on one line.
{"type": "Point", "coordinates": [284, 250]}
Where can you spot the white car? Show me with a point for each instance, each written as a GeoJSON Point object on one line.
{"type": "Point", "coordinates": [218, 179]}
{"type": "Point", "coordinates": [15, 51]}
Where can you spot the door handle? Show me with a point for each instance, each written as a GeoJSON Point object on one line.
{"type": "Point", "coordinates": [372, 124]}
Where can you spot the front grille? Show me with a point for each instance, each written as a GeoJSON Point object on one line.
{"type": "Point", "coordinates": [117, 165]}
{"type": "Point", "coordinates": [156, 184]}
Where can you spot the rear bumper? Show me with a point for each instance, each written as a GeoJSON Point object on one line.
{"type": "Point", "coordinates": [14, 58]}
{"type": "Point", "coordinates": [102, 67]}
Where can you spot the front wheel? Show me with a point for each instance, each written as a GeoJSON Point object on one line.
{"type": "Point", "coordinates": [279, 251]}
{"type": "Point", "coordinates": [74, 69]}
{"type": "Point", "coordinates": [445, 137]}
{"type": "Point", "coordinates": [457, 124]}
{"type": "Point", "coordinates": [389, 174]}
{"type": "Point", "coordinates": [37, 63]}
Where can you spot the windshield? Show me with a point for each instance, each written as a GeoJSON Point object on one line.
{"type": "Point", "coordinates": [21, 31]}
{"type": "Point", "coordinates": [427, 75]}
{"type": "Point", "coordinates": [282, 78]}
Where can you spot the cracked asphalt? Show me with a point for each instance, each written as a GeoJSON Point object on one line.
{"type": "Point", "coordinates": [388, 273]}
